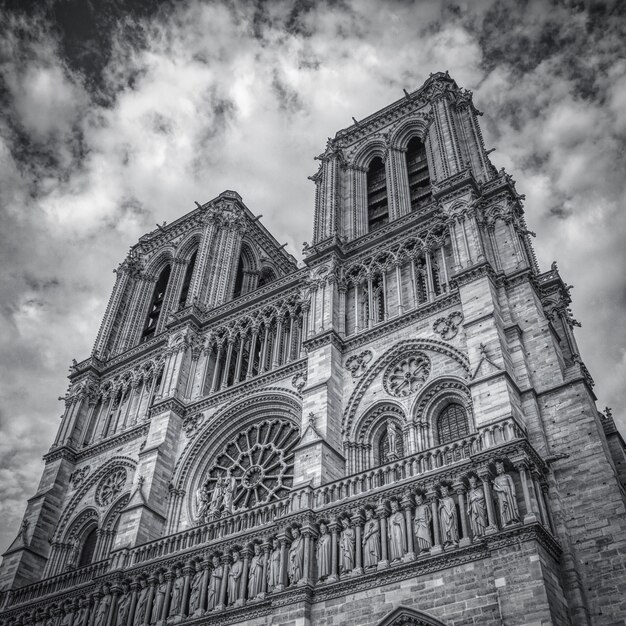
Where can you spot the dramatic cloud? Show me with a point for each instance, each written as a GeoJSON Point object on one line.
{"type": "Point", "coordinates": [114, 118]}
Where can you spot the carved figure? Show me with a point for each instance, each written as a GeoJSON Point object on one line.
{"type": "Point", "coordinates": [177, 593]}
{"type": "Point", "coordinates": [371, 540]}
{"type": "Point", "coordinates": [346, 544]}
{"type": "Point", "coordinates": [72, 559]}
{"type": "Point", "coordinates": [81, 614]}
{"type": "Point", "coordinates": [392, 437]}
{"type": "Point", "coordinates": [103, 608]}
{"type": "Point", "coordinates": [255, 575]}
{"type": "Point", "coordinates": [213, 595]}
{"type": "Point", "coordinates": [448, 518]}
{"type": "Point", "coordinates": [296, 556]}
{"type": "Point", "coordinates": [67, 616]}
{"type": "Point", "coordinates": [142, 600]}
{"type": "Point", "coordinates": [273, 570]}
{"type": "Point", "coordinates": [397, 533]}
{"type": "Point", "coordinates": [234, 577]}
{"type": "Point", "coordinates": [229, 487]}
{"type": "Point", "coordinates": [202, 502]}
{"type": "Point", "coordinates": [423, 517]}
{"type": "Point", "coordinates": [216, 500]}
{"type": "Point", "coordinates": [476, 508]}
{"type": "Point", "coordinates": [123, 606]}
{"type": "Point", "coordinates": [195, 590]}
{"type": "Point", "coordinates": [324, 553]}
{"type": "Point", "coordinates": [159, 600]}
{"type": "Point", "coordinates": [505, 491]}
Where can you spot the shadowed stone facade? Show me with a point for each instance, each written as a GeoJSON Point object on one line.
{"type": "Point", "coordinates": [402, 431]}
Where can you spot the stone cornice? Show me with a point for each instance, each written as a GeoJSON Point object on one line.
{"type": "Point", "coordinates": [173, 405]}
{"type": "Point", "coordinates": [63, 452]}
{"type": "Point", "coordinates": [141, 430]}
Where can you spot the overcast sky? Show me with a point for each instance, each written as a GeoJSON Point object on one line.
{"type": "Point", "coordinates": [117, 115]}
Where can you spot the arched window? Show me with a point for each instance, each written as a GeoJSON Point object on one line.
{"type": "Point", "coordinates": [266, 276]}
{"type": "Point", "coordinates": [158, 296]}
{"type": "Point", "coordinates": [452, 423]}
{"type": "Point", "coordinates": [182, 300]}
{"type": "Point", "coordinates": [89, 548]}
{"type": "Point", "coordinates": [419, 177]}
{"type": "Point", "coordinates": [239, 279]}
{"type": "Point", "coordinates": [377, 208]}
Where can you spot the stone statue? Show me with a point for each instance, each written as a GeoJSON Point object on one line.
{"type": "Point", "coordinates": [103, 608]}
{"type": "Point", "coordinates": [296, 557]}
{"type": "Point", "coordinates": [397, 533]}
{"type": "Point", "coordinates": [346, 544]}
{"type": "Point", "coordinates": [234, 577]}
{"type": "Point", "coordinates": [72, 559]}
{"type": "Point", "coordinates": [371, 540]}
{"type": "Point", "coordinates": [142, 600]}
{"type": "Point", "coordinates": [392, 437]}
{"type": "Point", "coordinates": [195, 590]}
{"type": "Point", "coordinates": [423, 517]}
{"type": "Point", "coordinates": [202, 502]}
{"type": "Point", "coordinates": [213, 595]}
{"type": "Point", "coordinates": [273, 569]}
{"type": "Point", "coordinates": [476, 508]}
{"type": "Point", "coordinates": [68, 616]}
{"type": "Point", "coordinates": [123, 606]}
{"type": "Point", "coordinates": [159, 600]}
{"type": "Point", "coordinates": [177, 593]}
{"type": "Point", "coordinates": [81, 614]}
{"type": "Point", "coordinates": [255, 575]}
{"type": "Point", "coordinates": [324, 553]}
{"type": "Point", "coordinates": [228, 489]}
{"type": "Point", "coordinates": [216, 500]}
{"type": "Point", "coordinates": [505, 492]}
{"type": "Point", "coordinates": [448, 518]}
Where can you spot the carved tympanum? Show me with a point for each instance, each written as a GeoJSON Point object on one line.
{"type": "Point", "coordinates": [407, 375]}
{"type": "Point", "coordinates": [110, 486]}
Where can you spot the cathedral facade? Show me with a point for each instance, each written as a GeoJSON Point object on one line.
{"type": "Point", "coordinates": [399, 431]}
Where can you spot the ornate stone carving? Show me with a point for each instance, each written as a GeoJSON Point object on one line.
{"type": "Point", "coordinates": [103, 608]}
{"type": "Point", "coordinates": [159, 600]}
{"type": "Point", "coordinates": [123, 607]}
{"type": "Point", "coordinates": [234, 578]}
{"type": "Point", "coordinates": [448, 326]}
{"type": "Point", "coordinates": [77, 476]}
{"type": "Point", "coordinates": [357, 364]}
{"type": "Point", "coordinates": [110, 486]}
{"type": "Point", "coordinates": [142, 602]}
{"type": "Point", "coordinates": [407, 375]}
{"type": "Point", "coordinates": [371, 540]}
{"type": "Point", "coordinates": [476, 508]}
{"type": "Point", "coordinates": [177, 593]}
{"type": "Point", "coordinates": [421, 523]}
{"type": "Point", "coordinates": [192, 423]}
{"type": "Point", "coordinates": [324, 553]}
{"type": "Point", "coordinates": [397, 534]}
{"type": "Point", "coordinates": [505, 492]}
{"type": "Point", "coordinates": [213, 593]}
{"type": "Point", "coordinates": [273, 567]}
{"type": "Point", "coordinates": [299, 381]}
{"type": "Point", "coordinates": [296, 556]}
{"type": "Point", "coordinates": [195, 590]}
{"type": "Point", "coordinates": [347, 546]}
{"type": "Point", "coordinates": [448, 518]}
{"type": "Point", "coordinates": [255, 574]}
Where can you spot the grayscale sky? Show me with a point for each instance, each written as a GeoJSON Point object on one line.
{"type": "Point", "coordinates": [117, 115]}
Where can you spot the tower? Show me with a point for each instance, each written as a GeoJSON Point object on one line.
{"type": "Point", "coordinates": [400, 431]}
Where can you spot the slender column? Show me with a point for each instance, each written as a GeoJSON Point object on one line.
{"type": "Point", "coordinates": [444, 269]}
{"type": "Point", "coordinates": [429, 277]}
{"type": "Point", "coordinates": [266, 552]}
{"type": "Point", "coordinates": [283, 563]}
{"type": "Point", "coordinates": [168, 596]}
{"type": "Point", "coordinates": [229, 356]}
{"type": "Point", "coordinates": [243, 581]}
{"type": "Point", "coordinates": [188, 570]}
{"type": "Point", "coordinates": [97, 596]}
{"type": "Point", "coordinates": [493, 525]}
{"type": "Point", "coordinates": [199, 388]}
{"type": "Point", "coordinates": [139, 396]}
{"type": "Point", "coordinates": [357, 520]}
{"type": "Point", "coordinates": [342, 310]}
{"type": "Point", "coordinates": [135, 586]}
{"type": "Point", "coordinates": [224, 585]}
{"type": "Point", "coordinates": [546, 503]}
{"type": "Point", "coordinates": [216, 371]}
{"type": "Point", "coordinates": [307, 558]}
{"type": "Point", "coordinates": [333, 527]}
{"type": "Point", "coordinates": [455, 245]}
{"type": "Point", "coordinates": [305, 320]}
{"type": "Point", "coordinates": [242, 340]}
{"type": "Point", "coordinates": [436, 549]}
{"type": "Point", "coordinates": [115, 591]}
{"type": "Point", "coordinates": [152, 581]}
{"type": "Point", "coordinates": [530, 514]}
{"type": "Point", "coordinates": [414, 283]}
{"type": "Point", "coordinates": [461, 223]}
{"type": "Point", "coordinates": [255, 334]}
{"type": "Point", "coordinates": [385, 296]}
{"type": "Point", "coordinates": [357, 313]}
{"type": "Point", "coordinates": [289, 351]}
{"type": "Point", "coordinates": [266, 335]}
{"type": "Point", "coordinates": [276, 346]}
{"type": "Point", "coordinates": [473, 226]}
{"type": "Point", "coordinates": [193, 367]}
{"type": "Point", "coordinates": [381, 510]}
{"type": "Point", "coordinates": [399, 288]}
{"type": "Point", "coordinates": [313, 320]}
{"type": "Point", "coordinates": [370, 301]}
{"type": "Point", "coordinates": [408, 516]}
{"type": "Point", "coordinates": [460, 491]}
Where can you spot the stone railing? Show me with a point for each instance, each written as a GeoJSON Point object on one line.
{"type": "Point", "coordinates": [480, 499]}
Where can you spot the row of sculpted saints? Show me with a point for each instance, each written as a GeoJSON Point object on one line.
{"type": "Point", "coordinates": [210, 506]}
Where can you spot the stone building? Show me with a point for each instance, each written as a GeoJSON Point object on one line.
{"type": "Point", "coordinates": [400, 431]}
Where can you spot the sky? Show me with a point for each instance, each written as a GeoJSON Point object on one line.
{"type": "Point", "coordinates": [116, 115]}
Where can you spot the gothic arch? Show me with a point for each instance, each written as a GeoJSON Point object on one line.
{"type": "Point", "coordinates": [91, 482]}
{"type": "Point", "coordinates": [405, 616]}
{"type": "Point", "coordinates": [409, 346]}
{"type": "Point", "coordinates": [83, 520]}
{"type": "Point", "coordinates": [406, 130]}
{"type": "Point", "coordinates": [373, 147]}
{"type": "Point", "coordinates": [156, 265]}
{"type": "Point", "coordinates": [187, 247]}
{"type": "Point", "coordinates": [367, 422]}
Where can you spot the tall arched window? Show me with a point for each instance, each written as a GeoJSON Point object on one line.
{"type": "Point", "coordinates": [89, 548]}
{"type": "Point", "coordinates": [419, 177]}
{"type": "Point", "coordinates": [377, 207]}
{"type": "Point", "coordinates": [182, 300]}
{"type": "Point", "coordinates": [452, 423]}
{"type": "Point", "coordinates": [158, 296]}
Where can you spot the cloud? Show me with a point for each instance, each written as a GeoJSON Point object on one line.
{"type": "Point", "coordinates": [121, 119]}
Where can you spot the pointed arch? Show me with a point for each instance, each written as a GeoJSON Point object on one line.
{"type": "Point", "coordinates": [405, 616]}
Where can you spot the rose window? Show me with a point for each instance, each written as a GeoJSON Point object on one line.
{"type": "Point", "coordinates": [407, 375]}
{"type": "Point", "coordinates": [258, 462]}
{"type": "Point", "coordinates": [110, 487]}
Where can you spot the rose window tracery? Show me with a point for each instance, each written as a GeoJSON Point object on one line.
{"type": "Point", "coordinates": [253, 468]}
{"type": "Point", "coordinates": [407, 375]}
{"type": "Point", "coordinates": [110, 486]}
